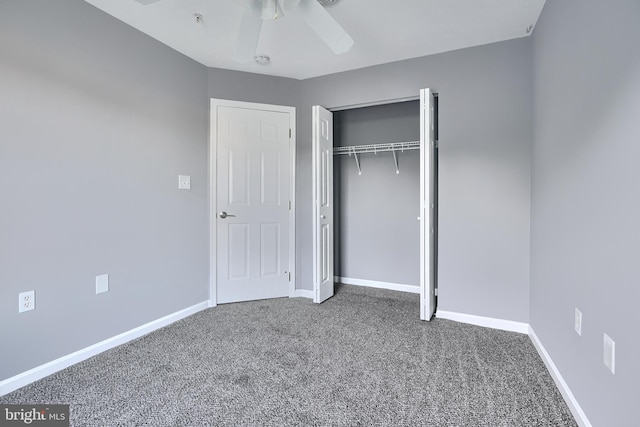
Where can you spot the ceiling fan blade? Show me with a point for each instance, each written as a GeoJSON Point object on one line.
{"type": "Point", "coordinates": [323, 24]}
{"type": "Point", "coordinates": [146, 1]}
{"type": "Point", "coordinates": [249, 33]}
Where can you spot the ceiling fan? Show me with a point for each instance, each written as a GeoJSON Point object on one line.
{"type": "Point", "coordinates": [310, 11]}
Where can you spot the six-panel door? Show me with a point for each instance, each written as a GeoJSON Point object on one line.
{"type": "Point", "coordinates": [253, 181]}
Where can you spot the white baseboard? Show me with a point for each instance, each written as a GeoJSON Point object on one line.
{"type": "Point", "coordinates": [569, 398]}
{"type": "Point", "coordinates": [376, 284]}
{"type": "Point", "coordinates": [489, 322]}
{"type": "Point", "coordinates": [27, 377]}
{"type": "Point", "coordinates": [303, 293]}
{"type": "Point", "coordinates": [525, 328]}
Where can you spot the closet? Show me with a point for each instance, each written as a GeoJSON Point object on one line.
{"type": "Point", "coordinates": [376, 189]}
{"type": "Point", "coordinates": [368, 227]}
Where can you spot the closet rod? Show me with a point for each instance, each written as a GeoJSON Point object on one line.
{"type": "Point", "coordinates": [377, 148]}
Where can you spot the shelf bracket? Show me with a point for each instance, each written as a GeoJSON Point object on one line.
{"type": "Point", "coordinates": [355, 156]}
{"type": "Point", "coordinates": [395, 159]}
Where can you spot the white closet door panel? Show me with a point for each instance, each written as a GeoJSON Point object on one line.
{"type": "Point", "coordinates": [322, 164]}
{"type": "Point", "coordinates": [427, 206]}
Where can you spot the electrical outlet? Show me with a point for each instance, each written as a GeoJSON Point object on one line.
{"type": "Point", "coordinates": [609, 353]}
{"type": "Point", "coordinates": [184, 182]}
{"type": "Point", "coordinates": [577, 323]}
{"type": "Point", "coordinates": [26, 301]}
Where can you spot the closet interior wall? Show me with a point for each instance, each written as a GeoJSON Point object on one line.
{"type": "Point", "coordinates": [376, 212]}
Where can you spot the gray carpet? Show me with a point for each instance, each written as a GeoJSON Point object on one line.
{"type": "Point", "coordinates": [360, 359]}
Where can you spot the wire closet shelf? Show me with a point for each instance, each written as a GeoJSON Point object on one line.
{"type": "Point", "coordinates": [377, 148]}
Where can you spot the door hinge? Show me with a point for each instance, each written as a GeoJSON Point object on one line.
{"type": "Point", "coordinates": [289, 133]}
{"type": "Point", "coordinates": [289, 276]}
{"type": "Point", "coordinates": [289, 204]}
{"type": "Point", "coordinates": [435, 291]}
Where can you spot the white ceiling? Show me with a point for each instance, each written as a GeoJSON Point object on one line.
{"type": "Point", "coordinates": [383, 31]}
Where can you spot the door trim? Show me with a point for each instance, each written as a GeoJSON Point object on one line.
{"type": "Point", "coordinates": [213, 185]}
{"type": "Point", "coordinates": [373, 103]}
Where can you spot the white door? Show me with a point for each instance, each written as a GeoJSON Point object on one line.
{"type": "Point", "coordinates": [322, 171]}
{"type": "Point", "coordinates": [427, 206]}
{"type": "Point", "coordinates": [252, 167]}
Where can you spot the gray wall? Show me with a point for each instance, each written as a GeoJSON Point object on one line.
{"type": "Point", "coordinates": [485, 138]}
{"type": "Point", "coordinates": [96, 122]}
{"type": "Point", "coordinates": [249, 87]}
{"type": "Point", "coordinates": [377, 231]}
{"type": "Point", "coordinates": [585, 204]}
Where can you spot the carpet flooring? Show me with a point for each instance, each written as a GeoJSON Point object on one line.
{"type": "Point", "coordinates": [362, 358]}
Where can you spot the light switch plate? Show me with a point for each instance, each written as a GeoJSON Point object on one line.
{"type": "Point", "coordinates": [102, 283]}
{"type": "Point", "coordinates": [184, 182]}
{"type": "Point", "coordinates": [609, 357]}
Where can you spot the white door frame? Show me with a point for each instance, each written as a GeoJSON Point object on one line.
{"type": "Point", "coordinates": [213, 185]}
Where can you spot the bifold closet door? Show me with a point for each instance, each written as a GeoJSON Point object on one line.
{"type": "Point", "coordinates": [427, 206]}
{"type": "Point", "coordinates": [322, 171]}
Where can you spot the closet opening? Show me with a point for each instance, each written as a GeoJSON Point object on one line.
{"type": "Point", "coordinates": [376, 193]}
{"type": "Point", "coordinates": [375, 172]}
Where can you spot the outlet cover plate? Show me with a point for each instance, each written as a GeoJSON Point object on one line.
{"type": "Point", "coordinates": [26, 301]}
{"type": "Point", "coordinates": [102, 283]}
{"type": "Point", "coordinates": [609, 353]}
{"type": "Point", "coordinates": [184, 182]}
{"type": "Point", "coordinates": [578, 322]}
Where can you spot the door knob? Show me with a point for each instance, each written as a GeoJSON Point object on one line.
{"type": "Point", "coordinates": [322, 217]}
{"type": "Point", "coordinates": [223, 215]}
